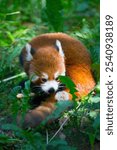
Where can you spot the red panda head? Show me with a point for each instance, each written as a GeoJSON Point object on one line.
{"type": "Point", "coordinates": [44, 65]}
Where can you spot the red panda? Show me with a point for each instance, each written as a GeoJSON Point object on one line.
{"type": "Point", "coordinates": [44, 59]}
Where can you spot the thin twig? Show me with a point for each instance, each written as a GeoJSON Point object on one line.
{"type": "Point", "coordinates": [23, 74]}
{"type": "Point", "coordinates": [59, 129]}
{"type": "Point", "coordinates": [46, 136]}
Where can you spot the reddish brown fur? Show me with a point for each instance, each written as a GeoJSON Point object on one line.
{"type": "Point", "coordinates": [77, 62]}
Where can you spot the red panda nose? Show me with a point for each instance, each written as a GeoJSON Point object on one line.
{"type": "Point", "coordinates": [51, 90]}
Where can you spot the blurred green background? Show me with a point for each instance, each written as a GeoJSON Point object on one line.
{"type": "Point", "coordinates": [20, 20]}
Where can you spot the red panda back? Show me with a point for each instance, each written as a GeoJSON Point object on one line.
{"type": "Point", "coordinates": [74, 50]}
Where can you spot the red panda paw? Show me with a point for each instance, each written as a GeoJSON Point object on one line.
{"type": "Point", "coordinates": [62, 95]}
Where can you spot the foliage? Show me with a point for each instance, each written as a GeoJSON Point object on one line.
{"type": "Point", "coordinates": [21, 21]}
{"type": "Point", "coordinates": [70, 85]}
{"type": "Point", "coordinates": [55, 20]}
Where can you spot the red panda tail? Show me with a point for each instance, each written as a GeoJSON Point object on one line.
{"type": "Point", "coordinates": [35, 116]}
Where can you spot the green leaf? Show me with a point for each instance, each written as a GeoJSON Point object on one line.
{"type": "Point", "coordinates": [4, 139]}
{"type": "Point", "coordinates": [92, 140]}
{"type": "Point", "coordinates": [61, 106]}
{"type": "Point", "coordinates": [96, 123]}
{"type": "Point", "coordinates": [14, 92]}
{"type": "Point", "coordinates": [59, 145]}
{"type": "Point", "coordinates": [13, 55]}
{"type": "Point", "coordinates": [10, 127]}
{"type": "Point", "coordinates": [93, 114]}
{"type": "Point", "coordinates": [27, 85]}
{"type": "Point", "coordinates": [10, 36]}
{"type": "Point", "coordinates": [97, 88]}
{"type": "Point", "coordinates": [96, 70]}
{"type": "Point", "coordinates": [54, 13]}
{"type": "Point", "coordinates": [70, 85]}
{"type": "Point", "coordinates": [13, 13]}
{"type": "Point", "coordinates": [68, 82]}
{"type": "Point", "coordinates": [82, 6]}
{"type": "Point", "coordinates": [95, 99]}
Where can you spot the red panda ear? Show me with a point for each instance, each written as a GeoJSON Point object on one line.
{"type": "Point", "coordinates": [59, 48]}
{"type": "Point", "coordinates": [29, 52]}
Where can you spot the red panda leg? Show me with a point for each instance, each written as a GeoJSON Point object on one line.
{"type": "Point", "coordinates": [35, 116]}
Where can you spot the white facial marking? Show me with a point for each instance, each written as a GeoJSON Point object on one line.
{"type": "Point", "coordinates": [29, 56]}
{"type": "Point", "coordinates": [62, 95]}
{"type": "Point", "coordinates": [45, 75]}
{"type": "Point", "coordinates": [56, 74]}
{"type": "Point", "coordinates": [63, 74]}
{"type": "Point", "coordinates": [50, 84]}
{"type": "Point", "coordinates": [58, 44]}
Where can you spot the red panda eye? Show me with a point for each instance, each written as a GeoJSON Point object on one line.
{"type": "Point", "coordinates": [57, 79]}
{"type": "Point", "coordinates": [43, 80]}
